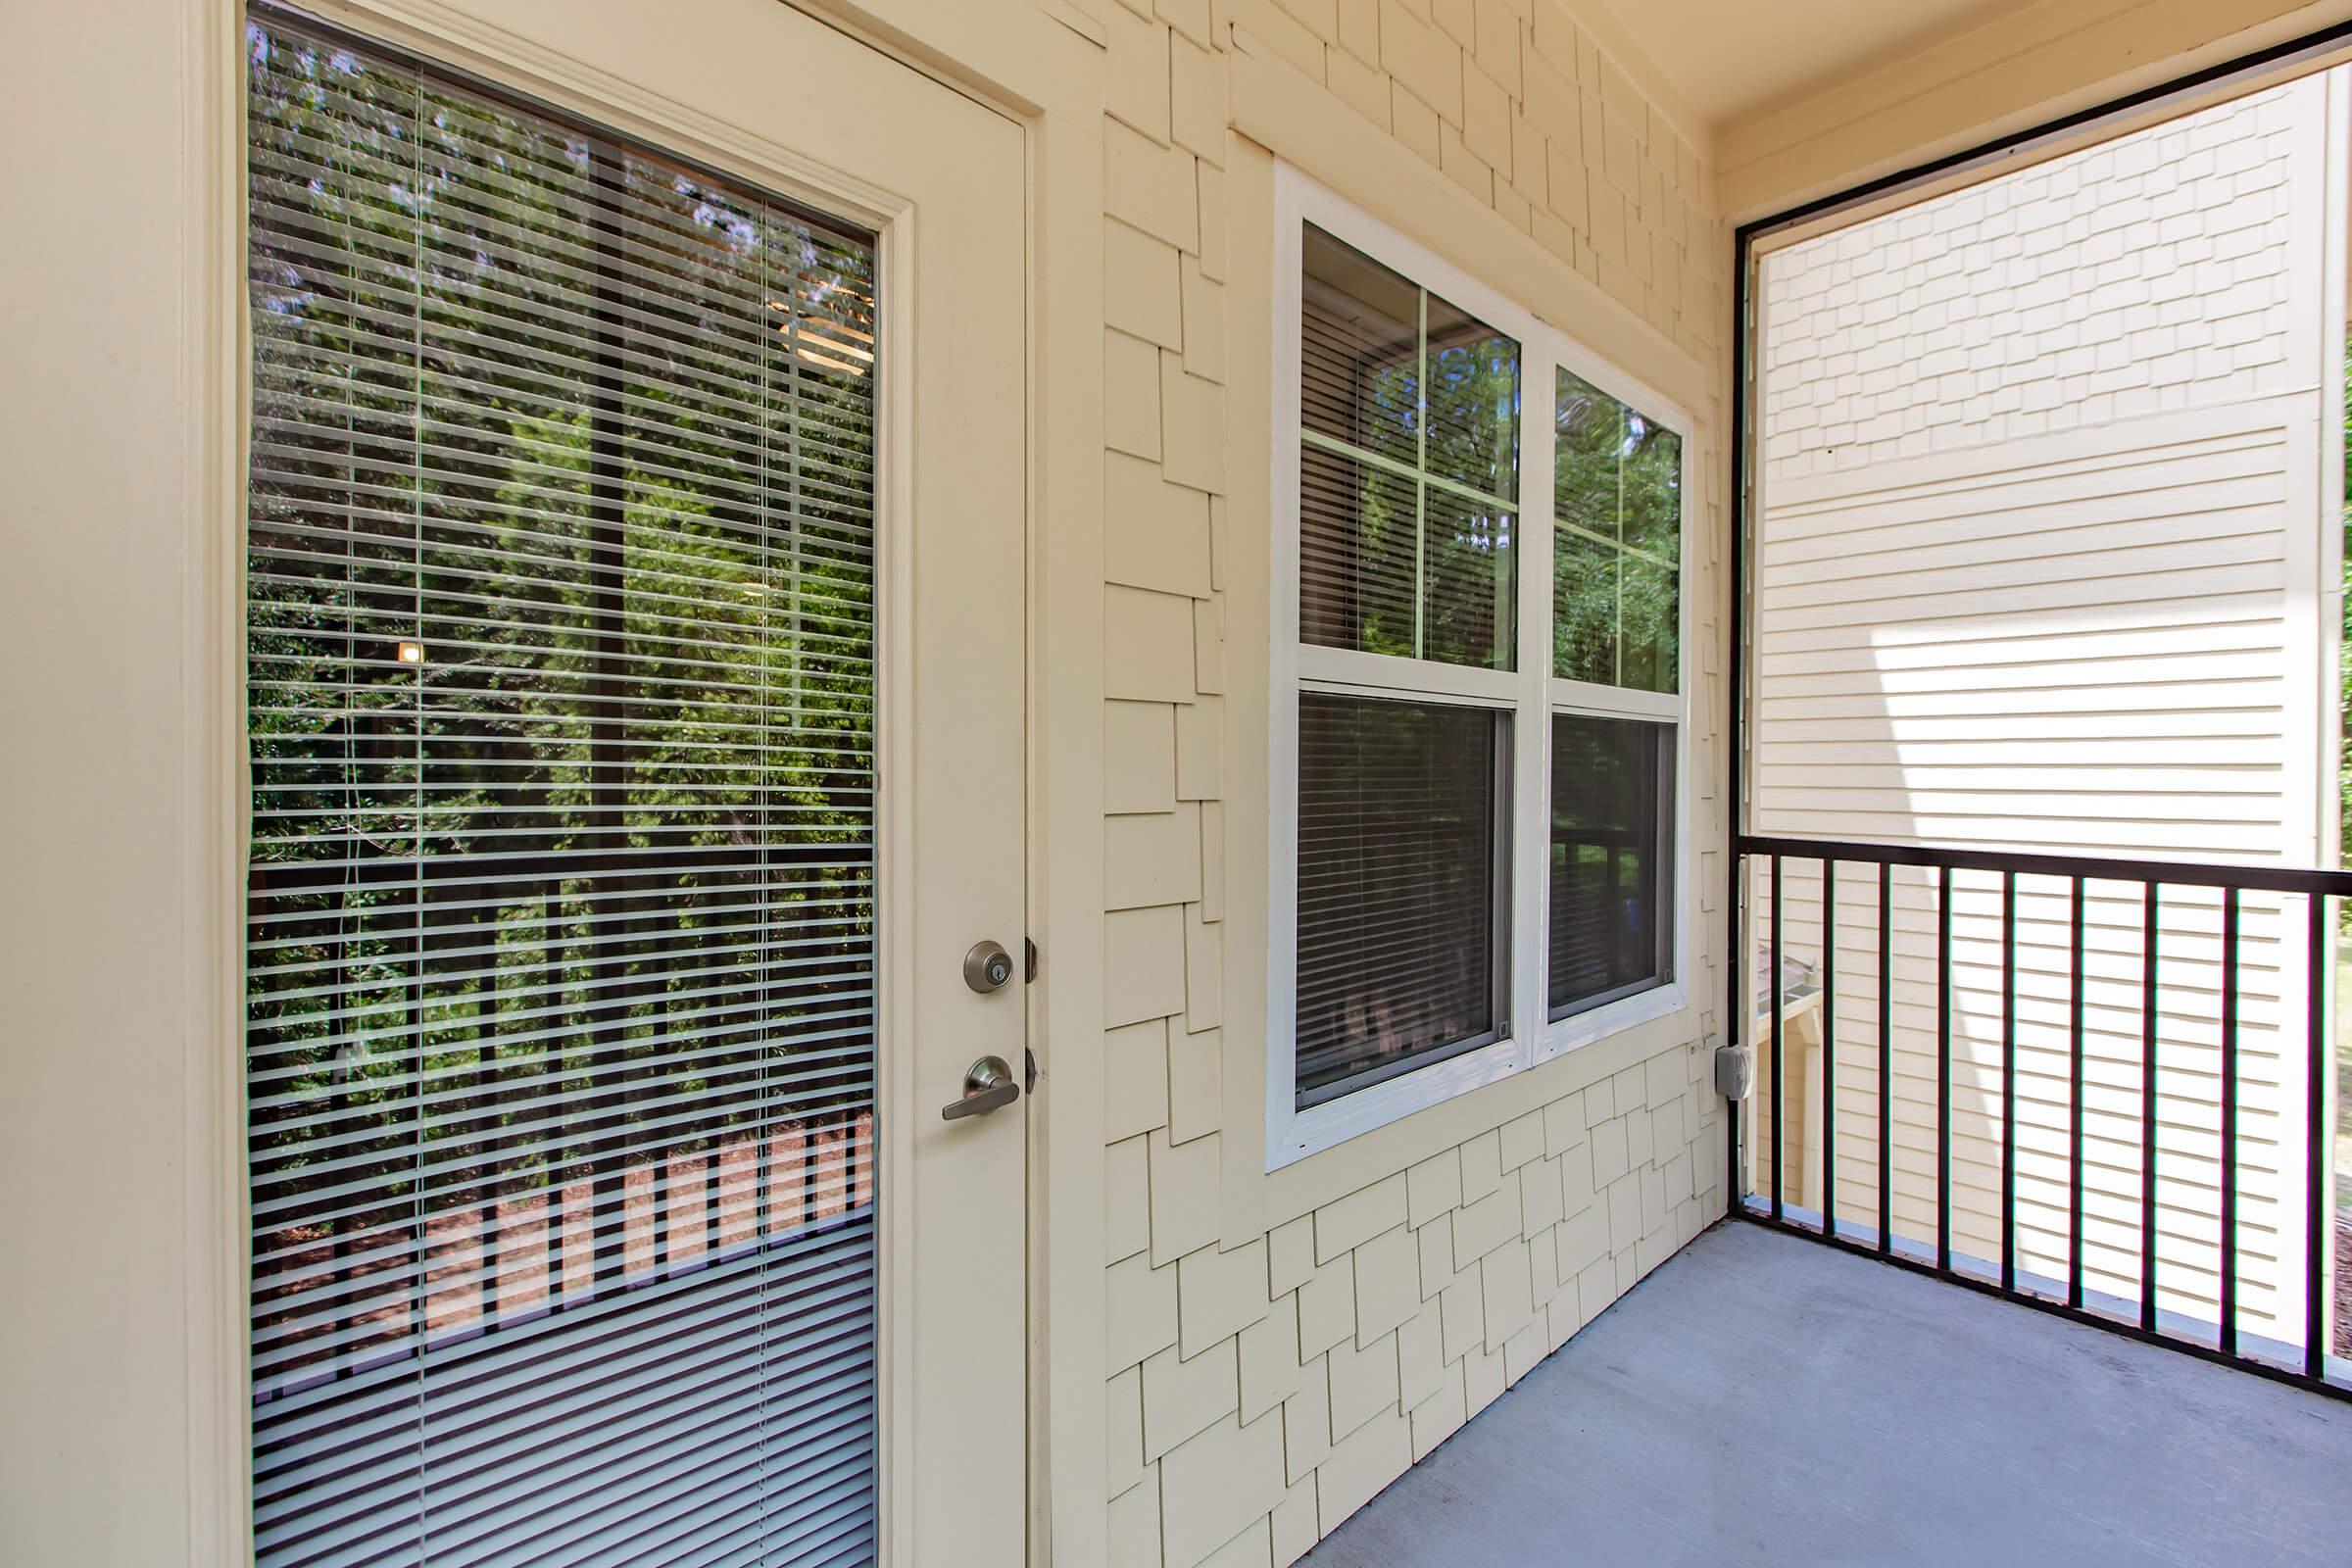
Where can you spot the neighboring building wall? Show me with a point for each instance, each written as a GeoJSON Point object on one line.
{"type": "Point", "coordinates": [2156, 272]}
{"type": "Point", "coordinates": [2037, 565]}
{"type": "Point", "coordinates": [1262, 1387]}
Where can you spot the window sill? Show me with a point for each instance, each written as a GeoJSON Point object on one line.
{"type": "Point", "coordinates": [1563, 1035]}
{"type": "Point", "coordinates": [1294, 1135]}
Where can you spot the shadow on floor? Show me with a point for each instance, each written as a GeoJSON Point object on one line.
{"type": "Point", "coordinates": [1762, 1399]}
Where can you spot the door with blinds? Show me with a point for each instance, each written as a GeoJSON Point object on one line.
{"type": "Point", "coordinates": [634, 670]}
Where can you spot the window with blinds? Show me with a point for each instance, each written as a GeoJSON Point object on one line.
{"type": "Point", "coordinates": [1612, 845]}
{"type": "Point", "coordinates": [1409, 466]}
{"type": "Point", "coordinates": [560, 914]}
{"type": "Point", "coordinates": [1617, 510]}
{"type": "Point", "coordinates": [1399, 894]}
{"type": "Point", "coordinates": [1617, 528]}
{"type": "Point", "coordinates": [1408, 462]}
{"type": "Point", "coordinates": [1474, 829]}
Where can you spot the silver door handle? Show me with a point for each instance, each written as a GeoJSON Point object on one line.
{"type": "Point", "coordinates": [989, 1086]}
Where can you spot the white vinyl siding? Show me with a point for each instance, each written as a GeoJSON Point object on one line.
{"type": "Point", "coordinates": [2039, 517]}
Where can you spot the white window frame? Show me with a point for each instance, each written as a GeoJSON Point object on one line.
{"type": "Point", "coordinates": [1530, 694]}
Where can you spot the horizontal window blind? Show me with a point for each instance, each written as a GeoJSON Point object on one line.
{"type": "Point", "coordinates": [1399, 908]}
{"type": "Point", "coordinates": [1612, 856]}
{"type": "Point", "coordinates": [1408, 467]}
{"type": "Point", "coordinates": [560, 914]}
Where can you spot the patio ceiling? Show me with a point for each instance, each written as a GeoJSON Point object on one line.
{"type": "Point", "coordinates": [1728, 62]}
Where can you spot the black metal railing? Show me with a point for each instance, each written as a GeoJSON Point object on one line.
{"type": "Point", "coordinates": [2202, 971]}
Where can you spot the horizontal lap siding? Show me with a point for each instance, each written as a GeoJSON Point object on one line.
{"type": "Point", "coordinates": [2021, 581]}
{"type": "Point", "coordinates": [1980, 738]}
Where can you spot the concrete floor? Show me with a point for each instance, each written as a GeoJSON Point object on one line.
{"type": "Point", "coordinates": [1761, 1399]}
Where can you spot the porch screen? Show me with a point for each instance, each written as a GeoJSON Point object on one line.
{"type": "Point", "coordinates": [560, 942]}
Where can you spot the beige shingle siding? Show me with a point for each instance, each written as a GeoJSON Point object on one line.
{"type": "Point", "coordinates": [2152, 273]}
{"type": "Point", "coordinates": [2040, 468]}
{"type": "Point", "coordinates": [1257, 1396]}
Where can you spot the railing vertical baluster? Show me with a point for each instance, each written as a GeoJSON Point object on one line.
{"type": "Point", "coordinates": [1772, 993]}
{"type": "Point", "coordinates": [2317, 888]}
{"type": "Point", "coordinates": [713, 1214]}
{"type": "Point", "coordinates": [1828, 1047]}
{"type": "Point", "coordinates": [2009, 1080]}
{"type": "Point", "coordinates": [2315, 1130]}
{"type": "Point", "coordinates": [1944, 1073]}
{"type": "Point", "coordinates": [2074, 1157]}
{"type": "Point", "coordinates": [663, 1183]}
{"type": "Point", "coordinates": [811, 1193]}
{"type": "Point", "coordinates": [2150, 917]}
{"type": "Point", "coordinates": [2228, 1259]}
{"type": "Point", "coordinates": [763, 1215]}
{"type": "Point", "coordinates": [1885, 1058]}
{"type": "Point", "coordinates": [554, 1237]}
{"type": "Point", "coordinates": [1737, 1031]}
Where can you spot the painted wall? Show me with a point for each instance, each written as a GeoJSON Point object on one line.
{"type": "Point", "coordinates": [2038, 567]}
{"type": "Point", "coordinates": [1224, 1365]}
{"type": "Point", "coordinates": [105, 778]}
{"type": "Point", "coordinates": [1279, 1348]}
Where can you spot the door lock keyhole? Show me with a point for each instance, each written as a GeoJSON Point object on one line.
{"type": "Point", "coordinates": [987, 967]}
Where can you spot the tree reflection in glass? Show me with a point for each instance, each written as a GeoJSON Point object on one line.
{"type": "Point", "coordinates": [1616, 577]}
{"type": "Point", "coordinates": [1408, 467]}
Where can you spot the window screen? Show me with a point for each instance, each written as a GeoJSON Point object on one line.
{"type": "Point", "coordinates": [1399, 894]}
{"type": "Point", "coordinates": [559, 911]}
{"type": "Point", "coordinates": [1612, 855]}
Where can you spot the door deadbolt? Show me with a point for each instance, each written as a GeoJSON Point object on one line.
{"type": "Point", "coordinates": [987, 966]}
